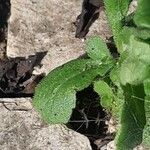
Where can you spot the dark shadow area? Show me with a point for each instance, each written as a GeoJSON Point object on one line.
{"type": "Point", "coordinates": [90, 12]}
{"type": "Point", "coordinates": [112, 48]}
{"type": "Point", "coordinates": [4, 15]}
{"type": "Point", "coordinates": [5, 10]}
{"type": "Point", "coordinates": [89, 117]}
{"type": "Point", "coordinates": [16, 79]}
{"type": "Point", "coordinates": [129, 21]}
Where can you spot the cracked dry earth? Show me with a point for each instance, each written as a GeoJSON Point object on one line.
{"type": "Point", "coordinates": [43, 26]}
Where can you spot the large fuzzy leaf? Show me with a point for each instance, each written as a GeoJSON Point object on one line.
{"type": "Point", "coordinates": [146, 134]}
{"type": "Point", "coordinates": [133, 67]}
{"type": "Point", "coordinates": [133, 71]}
{"type": "Point", "coordinates": [142, 16]}
{"type": "Point", "coordinates": [132, 118]}
{"type": "Point", "coordinates": [141, 51]}
{"type": "Point", "coordinates": [136, 66]}
{"type": "Point", "coordinates": [116, 11]}
{"type": "Point", "coordinates": [55, 97]}
{"type": "Point", "coordinates": [132, 36]}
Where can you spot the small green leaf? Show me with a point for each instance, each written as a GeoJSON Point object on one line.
{"type": "Point", "coordinates": [55, 96]}
{"type": "Point", "coordinates": [114, 75]}
{"type": "Point", "coordinates": [105, 93]}
{"type": "Point", "coordinates": [147, 86]}
{"type": "Point", "coordinates": [97, 49]}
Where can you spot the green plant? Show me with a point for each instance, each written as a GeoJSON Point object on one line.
{"type": "Point", "coordinates": [126, 92]}
{"type": "Point", "coordinates": [56, 95]}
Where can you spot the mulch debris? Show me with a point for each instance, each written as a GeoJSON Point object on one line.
{"type": "Point", "coordinates": [16, 78]}
{"type": "Point", "coordinates": [90, 13]}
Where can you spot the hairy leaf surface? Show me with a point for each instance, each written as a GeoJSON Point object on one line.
{"type": "Point", "coordinates": [105, 92]}
{"type": "Point", "coordinates": [133, 71]}
{"type": "Point", "coordinates": [97, 49]}
{"type": "Point", "coordinates": [116, 10]}
{"type": "Point", "coordinates": [142, 16]}
{"type": "Point", "coordinates": [56, 95]}
{"type": "Point", "coordinates": [135, 68]}
{"type": "Point", "coordinates": [146, 134]}
{"type": "Point", "coordinates": [133, 120]}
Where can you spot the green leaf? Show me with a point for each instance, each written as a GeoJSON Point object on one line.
{"type": "Point", "coordinates": [135, 37]}
{"type": "Point", "coordinates": [97, 49]}
{"type": "Point", "coordinates": [55, 96]}
{"type": "Point", "coordinates": [147, 86]}
{"type": "Point", "coordinates": [140, 50]}
{"type": "Point", "coordinates": [143, 34]}
{"type": "Point", "coordinates": [135, 68]}
{"type": "Point", "coordinates": [105, 92]}
{"type": "Point", "coordinates": [132, 118]}
{"type": "Point", "coordinates": [133, 71]}
{"type": "Point", "coordinates": [116, 11]}
{"type": "Point", "coordinates": [146, 134]}
{"type": "Point", "coordinates": [114, 75]}
{"type": "Point", "coordinates": [142, 15]}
